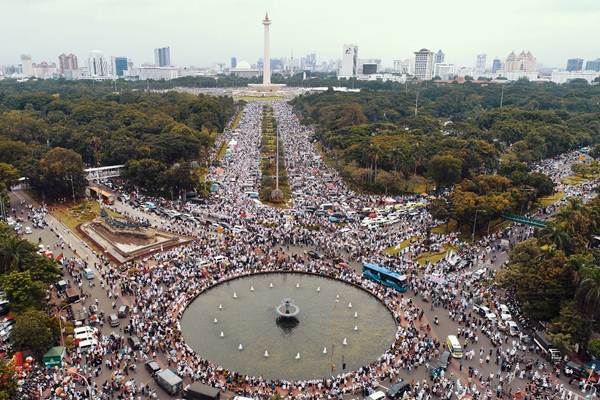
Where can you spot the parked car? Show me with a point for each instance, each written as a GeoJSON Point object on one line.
{"type": "Point", "coordinates": [88, 273]}
{"type": "Point", "coordinates": [114, 320]}
{"type": "Point", "coordinates": [123, 311]}
{"type": "Point", "coordinates": [134, 342]}
{"type": "Point", "coordinates": [4, 307]}
{"type": "Point", "coordinates": [440, 365]}
{"type": "Point", "coordinates": [152, 366]}
{"type": "Point", "coordinates": [398, 390]}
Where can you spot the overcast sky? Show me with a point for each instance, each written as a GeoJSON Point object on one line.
{"type": "Point", "coordinates": [201, 32]}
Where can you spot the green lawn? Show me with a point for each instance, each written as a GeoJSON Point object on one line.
{"type": "Point", "coordinates": [221, 152]}
{"type": "Point", "coordinates": [268, 164]}
{"type": "Point", "coordinates": [445, 229]}
{"type": "Point", "coordinates": [434, 257]}
{"type": "Point", "coordinates": [75, 215]}
{"type": "Point", "coordinates": [574, 180]}
{"type": "Point", "coordinates": [394, 250]}
{"type": "Point", "coordinates": [549, 200]}
{"type": "Point", "coordinates": [237, 119]}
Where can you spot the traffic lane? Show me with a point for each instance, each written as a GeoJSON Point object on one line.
{"type": "Point", "coordinates": [51, 239]}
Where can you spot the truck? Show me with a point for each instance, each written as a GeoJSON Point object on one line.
{"type": "Point", "coordinates": [200, 391]}
{"type": "Point", "coordinates": [169, 381]}
{"type": "Point", "coordinates": [71, 295]}
{"type": "Point", "coordinates": [551, 353]}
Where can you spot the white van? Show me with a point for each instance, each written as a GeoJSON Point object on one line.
{"type": "Point", "coordinates": [454, 346]}
{"type": "Point", "coordinates": [87, 345]}
{"type": "Point", "coordinates": [379, 395]}
{"type": "Point", "coordinates": [84, 332]}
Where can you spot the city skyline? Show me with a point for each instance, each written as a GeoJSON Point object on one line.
{"type": "Point", "coordinates": [225, 29]}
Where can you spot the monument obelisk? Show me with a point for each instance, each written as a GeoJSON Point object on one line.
{"type": "Point", "coordinates": [267, 56]}
{"type": "Point", "coordinates": [266, 85]}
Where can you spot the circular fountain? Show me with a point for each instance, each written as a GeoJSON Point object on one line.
{"type": "Point", "coordinates": [316, 329]}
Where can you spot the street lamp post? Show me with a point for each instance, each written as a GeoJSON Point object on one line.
{"type": "Point", "coordinates": [73, 371]}
{"type": "Point", "coordinates": [57, 314]}
{"type": "Point", "coordinates": [474, 224]}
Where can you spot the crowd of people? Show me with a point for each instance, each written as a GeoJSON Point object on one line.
{"type": "Point", "coordinates": [160, 286]}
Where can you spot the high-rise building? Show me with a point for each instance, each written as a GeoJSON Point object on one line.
{"type": "Point", "coordinates": [480, 63]}
{"type": "Point", "coordinates": [26, 65]}
{"type": "Point", "coordinates": [593, 65]}
{"type": "Point", "coordinates": [524, 62]}
{"type": "Point", "coordinates": [349, 67]}
{"type": "Point", "coordinates": [402, 66]}
{"type": "Point", "coordinates": [97, 65]}
{"type": "Point", "coordinates": [233, 62]}
{"type": "Point", "coordinates": [44, 70]}
{"type": "Point", "coordinates": [162, 56]}
{"type": "Point", "coordinates": [574, 64]}
{"type": "Point", "coordinates": [119, 65]}
{"type": "Point", "coordinates": [424, 64]}
{"type": "Point", "coordinates": [67, 62]}
{"type": "Point", "coordinates": [445, 71]}
{"type": "Point", "coordinates": [496, 65]}
{"type": "Point", "coordinates": [440, 57]}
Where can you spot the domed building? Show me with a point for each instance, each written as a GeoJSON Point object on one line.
{"type": "Point", "coordinates": [244, 70]}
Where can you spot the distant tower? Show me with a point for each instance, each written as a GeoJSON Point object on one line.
{"type": "Point", "coordinates": [440, 57]}
{"type": "Point", "coordinates": [27, 65]}
{"type": "Point", "coordinates": [496, 65]}
{"type": "Point", "coordinates": [267, 56]}
{"type": "Point", "coordinates": [480, 63]}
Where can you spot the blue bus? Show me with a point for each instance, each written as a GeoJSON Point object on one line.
{"type": "Point", "coordinates": [386, 277]}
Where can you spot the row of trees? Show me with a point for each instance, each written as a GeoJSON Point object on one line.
{"type": "Point", "coordinates": [458, 135]}
{"type": "Point", "coordinates": [25, 277]}
{"type": "Point", "coordinates": [50, 129]}
{"type": "Point", "coordinates": [555, 276]}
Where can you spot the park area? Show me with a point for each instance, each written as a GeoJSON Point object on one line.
{"type": "Point", "coordinates": [269, 192]}
{"type": "Point", "coordinates": [76, 214]}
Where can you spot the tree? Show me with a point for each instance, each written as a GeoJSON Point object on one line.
{"type": "Point", "coordinates": [595, 152]}
{"type": "Point", "coordinates": [8, 381]}
{"type": "Point", "coordinates": [179, 178]}
{"type": "Point", "coordinates": [445, 170]}
{"type": "Point", "coordinates": [146, 174]}
{"type": "Point", "coordinates": [593, 347]}
{"type": "Point", "coordinates": [8, 175]}
{"type": "Point", "coordinates": [540, 278]}
{"type": "Point", "coordinates": [22, 291]}
{"type": "Point", "coordinates": [588, 292]}
{"type": "Point", "coordinates": [34, 331]}
{"type": "Point", "coordinates": [569, 328]}
{"type": "Point", "coordinates": [60, 174]}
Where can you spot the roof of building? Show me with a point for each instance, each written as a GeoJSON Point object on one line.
{"type": "Point", "coordinates": [243, 65]}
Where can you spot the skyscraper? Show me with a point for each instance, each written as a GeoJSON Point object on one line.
{"type": "Point", "coordinates": [524, 62]}
{"type": "Point", "coordinates": [119, 65]}
{"type": "Point", "coordinates": [26, 65]}
{"type": "Point", "coordinates": [97, 65]}
{"type": "Point", "coordinates": [162, 56]}
{"type": "Point", "coordinates": [233, 62]}
{"type": "Point", "coordinates": [67, 62]}
{"type": "Point", "coordinates": [440, 57]}
{"type": "Point", "coordinates": [424, 64]}
{"type": "Point", "coordinates": [574, 64]}
{"type": "Point", "coordinates": [496, 65]}
{"type": "Point", "coordinates": [349, 61]}
{"type": "Point", "coordinates": [593, 65]}
{"type": "Point", "coordinates": [480, 63]}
